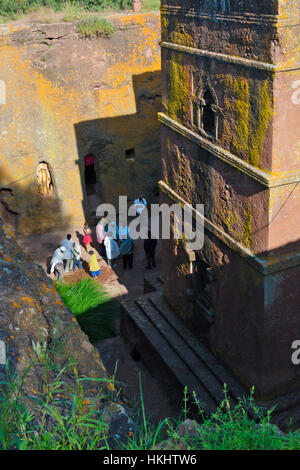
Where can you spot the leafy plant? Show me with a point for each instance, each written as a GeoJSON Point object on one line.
{"type": "Point", "coordinates": [40, 349]}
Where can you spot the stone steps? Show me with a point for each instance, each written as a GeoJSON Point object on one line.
{"type": "Point", "coordinates": [178, 360]}
{"type": "Point", "coordinates": [174, 356]}
{"type": "Point", "coordinates": [198, 348]}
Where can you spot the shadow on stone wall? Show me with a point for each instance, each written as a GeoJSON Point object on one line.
{"type": "Point", "coordinates": [126, 148]}
{"type": "Point", "coordinates": [25, 209]}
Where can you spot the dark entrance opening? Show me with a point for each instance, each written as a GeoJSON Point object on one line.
{"type": "Point", "coordinates": [209, 124]}
{"type": "Point", "coordinates": [203, 284]}
{"type": "Point", "coordinates": [90, 177]}
{"type": "Point", "coordinates": [130, 154]}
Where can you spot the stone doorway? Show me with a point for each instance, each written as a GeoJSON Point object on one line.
{"type": "Point", "coordinates": [90, 178]}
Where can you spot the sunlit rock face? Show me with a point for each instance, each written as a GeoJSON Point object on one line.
{"type": "Point", "coordinates": [63, 98]}
{"type": "Point", "coordinates": [33, 317]}
{"type": "Point", "coordinates": [230, 79]}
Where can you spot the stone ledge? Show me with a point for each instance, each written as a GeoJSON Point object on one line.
{"type": "Point", "coordinates": [241, 61]}
{"type": "Point", "coordinates": [266, 266]}
{"type": "Point", "coordinates": [269, 180]}
{"type": "Point", "coordinates": [245, 18]}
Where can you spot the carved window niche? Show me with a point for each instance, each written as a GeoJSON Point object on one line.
{"type": "Point", "coordinates": [205, 113]}
{"type": "Point", "coordinates": [44, 179]}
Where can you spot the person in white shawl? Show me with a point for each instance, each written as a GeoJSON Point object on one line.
{"type": "Point", "coordinates": [112, 249]}
{"type": "Point", "coordinates": [57, 262]}
{"type": "Point", "coordinates": [68, 244]}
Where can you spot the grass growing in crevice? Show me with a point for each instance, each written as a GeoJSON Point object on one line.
{"type": "Point", "coordinates": [91, 27]}
{"type": "Point", "coordinates": [92, 306]}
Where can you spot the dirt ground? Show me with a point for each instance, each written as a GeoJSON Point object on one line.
{"type": "Point", "coordinates": [121, 285]}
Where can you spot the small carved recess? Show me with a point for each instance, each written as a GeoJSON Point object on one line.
{"type": "Point", "coordinates": [44, 179]}
{"type": "Point", "coordinates": [205, 112]}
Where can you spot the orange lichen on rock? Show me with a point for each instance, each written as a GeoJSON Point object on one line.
{"type": "Point", "coordinates": [84, 96]}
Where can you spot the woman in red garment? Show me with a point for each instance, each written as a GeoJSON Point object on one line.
{"type": "Point", "coordinates": [87, 238]}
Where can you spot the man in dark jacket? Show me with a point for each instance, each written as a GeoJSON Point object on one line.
{"type": "Point", "coordinates": [149, 247]}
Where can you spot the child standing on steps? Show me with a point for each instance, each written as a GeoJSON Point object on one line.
{"type": "Point", "coordinates": [94, 266]}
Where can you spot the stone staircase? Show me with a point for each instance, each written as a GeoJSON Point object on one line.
{"type": "Point", "coordinates": [177, 359]}
{"type": "Point", "coordinates": [173, 355]}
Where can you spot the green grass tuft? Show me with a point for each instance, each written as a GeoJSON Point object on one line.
{"type": "Point", "coordinates": [81, 296]}
{"type": "Point", "coordinates": [150, 5]}
{"type": "Point", "coordinates": [72, 12]}
{"type": "Point", "coordinates": [91, 27]}
{"type": "Point", "coordinates": [92, 306]}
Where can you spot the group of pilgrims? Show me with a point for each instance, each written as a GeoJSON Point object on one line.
{"type": "Point", "coordinates": [113, 241]}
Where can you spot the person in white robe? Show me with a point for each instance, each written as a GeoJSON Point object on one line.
{"type": "Point", "coordinates": [68, 244]}
{"type": "Point", "coordinates": [57, 263]}
{"type": "Point", "coordinates": [112, 249]}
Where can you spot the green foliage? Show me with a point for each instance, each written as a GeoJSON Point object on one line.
{"type": "Point", "coordinates": [14, 417]}
{"type": "Point", "coordinates": [91, 27]}
{"type": "Point", "coordinates": [67, 420]}
{"type": "Point", "coordinates": [150, 5]}
{"type": "Point", "coordinates": [243, 426]}
{"type": "Point", "coordinates": [11, 8]}
{"type": "Point", "coordinates": [72, 11]}
{"type": "Point", "coordinates": [81, 296]}
{"type": "Point", "coordinates": [92, 306]}
{"type": "Point", "coordinates": [96, 5]}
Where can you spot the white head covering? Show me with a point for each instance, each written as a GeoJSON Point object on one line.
{"type": "Point", "coordinates": [112, 249]}
{"type": "Point", "coordinates": [58, 257]}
